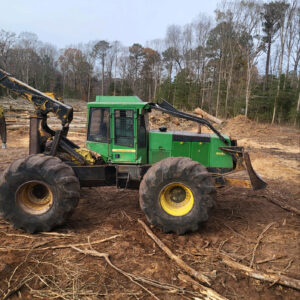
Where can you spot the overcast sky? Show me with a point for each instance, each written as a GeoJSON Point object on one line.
{"type": "Point", "coordinates": [65, 22]}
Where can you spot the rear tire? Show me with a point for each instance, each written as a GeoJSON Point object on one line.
{"type": "Point", "coordinates": [176, 194]}
{"type": "Point", "coordinates": [38, 193]}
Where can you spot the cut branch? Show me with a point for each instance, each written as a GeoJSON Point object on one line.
{"type": "Point", "coordinates": [273, 258]}
{"type": "Point", "coordinates": [204, 291]}
{"type": "Point", "coordinates": [207, 292]}
{"type": "Point", "coordinates": [273, 278]}
{"type": "Point", "coordinates": [258, 242]}
{"type": "Point", "coordinates": [106, 257]}
{"type": "Point", "coordinates": [179, 261]}
{"type": "Point", "coordinates": [283, 205]}
{"type": "Point", "coordinates": [60, 246]}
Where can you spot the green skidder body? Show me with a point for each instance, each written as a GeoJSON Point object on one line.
{"type": "Point", "coordinates": [118, 131]}
{"type": "Point", "coordinates": [176, 172]}
{"type": "Point", "coordinates": [203, 148]}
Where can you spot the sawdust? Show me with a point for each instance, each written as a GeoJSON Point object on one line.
{"type": "Point", "coordinates": [275, 168]}
{"type": "Point", "coordinates": [267, 145]}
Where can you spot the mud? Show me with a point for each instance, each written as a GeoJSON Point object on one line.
{"type": "Point", "coordinates": [37, 266]}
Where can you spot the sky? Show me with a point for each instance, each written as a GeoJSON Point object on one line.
{"type": "Point", "coordinates": [66, 22]}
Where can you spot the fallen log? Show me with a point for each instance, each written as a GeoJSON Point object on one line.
{"type": "Point", "coordinates": [178, 260]}
{"type": "Point", "coordinates": [273, 278]}
{"type": "Point", "coordinates": [206, 115]}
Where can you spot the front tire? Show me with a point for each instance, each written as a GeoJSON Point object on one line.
{"type": "Point", "coordinates": [38, 193]}
{"type": "Point", "coordinates": [176, 194]}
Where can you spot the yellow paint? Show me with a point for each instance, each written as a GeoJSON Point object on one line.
{"type": "Point", "coordinates": [243, 183]}
{"type": "Point", "coordinates": [86, 155]}
{"type": "Point", "coordinates": [28, 96]}
{"type": "Point", "coordinates": [176, 208]}
{"type": "Point", "coordinates": [124, 150]}
{"type": "Point", "coordinates": [220, 153]}
{"type": "Point", "coordinates": [33, 202]}
{"type": "Point", "coordinates": [43, 107]}
{"type": "Point", "coordinates": [50, 94]}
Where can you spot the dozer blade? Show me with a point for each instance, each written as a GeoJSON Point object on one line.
{"type": "Point", "coordinates": [243, 174]}
{"type": "Point", "coordinates": [256, 181]}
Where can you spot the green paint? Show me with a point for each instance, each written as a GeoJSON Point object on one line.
{"type": "Point", "coordinates": [218, 158]}
{"type": "Point", "coordinates": [160, 146]}
{"type": "Point", "coordinates": [119, 99]}
{"type": "Point", "coordinates": [206, 153]}
{"type": "Point", "coordinates": [101, 148]}
{"type": "Point", "coordinates": [200, 152]}
{"type": "Point", "coordinates": [119, 102]}
{"type": "Point", "coordinates": [157, 146]}
{"type": "Point", "coordinates": [181, 149]}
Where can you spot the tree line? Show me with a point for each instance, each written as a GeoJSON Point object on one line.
{"type": "Point", "coordinates": [245, 60]}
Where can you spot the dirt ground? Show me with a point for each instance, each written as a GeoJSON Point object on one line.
{"type": "Point", "coordinates": [47, 266]}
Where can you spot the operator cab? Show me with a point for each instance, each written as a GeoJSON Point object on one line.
{"type": "Point", "coordinates": [117, 129]}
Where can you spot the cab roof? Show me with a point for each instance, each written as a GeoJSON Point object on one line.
{"type": "Point", "coordinates": [118, 102]}
{"type": "Point", "coordinates": [119, 99]}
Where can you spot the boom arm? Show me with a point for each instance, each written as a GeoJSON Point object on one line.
{"type": "Point", "coordinates": [43, 103]}
{"type": "Point", "coordinates": [169, 109]}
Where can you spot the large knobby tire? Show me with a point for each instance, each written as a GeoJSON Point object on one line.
{"type": "Point", "coordinates": [176, 194]}
{"type": "Point", "coordinates": [38, 193]}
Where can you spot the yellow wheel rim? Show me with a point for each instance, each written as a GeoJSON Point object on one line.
{"type": "Point", "coordinates": [34, 197]}
{"type": "Point", "coordinates": [176, 199]}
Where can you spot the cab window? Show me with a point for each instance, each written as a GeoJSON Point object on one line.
{"type": "Point", "coordinates": [98, 130]}
{"type": "Point", "coordinates": [124, 127]}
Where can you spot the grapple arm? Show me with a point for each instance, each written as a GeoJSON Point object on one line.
{"type": "Point", "coordinates": [42, 103]}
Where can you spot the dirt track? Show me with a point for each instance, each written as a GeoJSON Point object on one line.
{"type": "Point", "coordinates": [49, 271]}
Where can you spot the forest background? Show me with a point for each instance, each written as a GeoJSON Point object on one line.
{"type": "Point", "coordinates": [242, 60]}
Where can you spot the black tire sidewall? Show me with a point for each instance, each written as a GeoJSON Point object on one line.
{"type": "Point", "coordinates": [177, 170]}
{"type": "Point", "coordinates": [13, 208]}
{"type": "Point", "coordinates": [59, 178]}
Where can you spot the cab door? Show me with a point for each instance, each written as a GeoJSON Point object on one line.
{"type": "Point", "coordinates": [124, 141]}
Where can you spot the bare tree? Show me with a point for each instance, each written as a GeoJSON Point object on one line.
{"type": "Point", "coordinates": [296, 45]}
{"type": "Point", "coordinates": [287, 12]}
{"type": "Point", "coordinates": [7, 41]}
{"type": "Point", "coordinates": [48, 55]}
{"type": "Point", "coordinates": [290, 44]}
{"type": "Point", "coordinates": [250, 41]}
{"type": "Point", "coordinates": [101, 49]}
{"type": "Point", "coordinates": [114, 53]}
{"type": "Point", "coordinates": [271, 23]}
{"type": "Point", "coordinates": [202, 27]}
{"type": "Point", "coordinates": [28, 42]}
{"type": "Point", "coordinates": [136, 62]}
